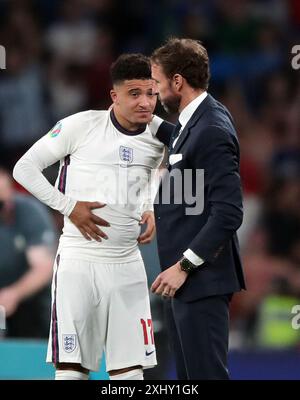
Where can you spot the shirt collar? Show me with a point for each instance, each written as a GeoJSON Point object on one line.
{"type": "Point", "coordinates": [189, 110]}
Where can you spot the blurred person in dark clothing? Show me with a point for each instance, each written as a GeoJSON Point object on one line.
{"type": "Point", "coordinates": [282, 216]}
{"type": "Point", "coordinates": [26, 239]}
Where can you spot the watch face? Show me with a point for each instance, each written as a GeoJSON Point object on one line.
{"type": "Point", "coordinates": [186, 265]}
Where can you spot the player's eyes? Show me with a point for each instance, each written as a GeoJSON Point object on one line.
{"type": "Point", "coordinates": [136, 95]}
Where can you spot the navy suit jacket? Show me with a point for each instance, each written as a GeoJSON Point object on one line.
{"type": "Point", "coordinates": [209, 143]}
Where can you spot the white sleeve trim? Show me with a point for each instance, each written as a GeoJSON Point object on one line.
{"type": "Point", "coordinates": [193, 258]}
{"type": "Point", "coordinates": [147, 207]}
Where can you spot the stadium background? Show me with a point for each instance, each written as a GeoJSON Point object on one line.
{"type": "Point", "coordinates": [58, 55]}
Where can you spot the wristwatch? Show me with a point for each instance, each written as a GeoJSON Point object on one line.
{"type": "Point", "coordinates": [186, 265]}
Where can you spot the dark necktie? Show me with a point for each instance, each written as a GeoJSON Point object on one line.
{"type": "Point", "coordinates": [174, 135]}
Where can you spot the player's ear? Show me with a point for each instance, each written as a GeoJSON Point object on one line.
{"type": "Point", "coordinates": [113, 95]}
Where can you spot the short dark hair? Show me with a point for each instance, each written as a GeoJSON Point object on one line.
{"type": "Point", "coordinates": [130, 66]}
{"type": "Point", "coordinates": [186, 57]}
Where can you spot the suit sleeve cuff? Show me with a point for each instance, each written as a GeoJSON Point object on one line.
{"type": "Point", "coordinates": [193, 258]}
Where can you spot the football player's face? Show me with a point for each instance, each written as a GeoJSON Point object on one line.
{"type": "Point", "coordinates": [135, 100]}
{"type": "Point", "coordinates": [168, 96]}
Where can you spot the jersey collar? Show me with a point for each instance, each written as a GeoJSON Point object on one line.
{"type": "Point", "coordinates": [123, 130]}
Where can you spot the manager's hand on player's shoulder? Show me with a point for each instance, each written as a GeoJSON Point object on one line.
{"type": "Point", "coordinates": [148, 235]}
{"type": "Point", "coordinates": [83, 218]}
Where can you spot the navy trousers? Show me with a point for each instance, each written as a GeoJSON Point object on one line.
{"type": "Point", "coordinates": [198, 333]}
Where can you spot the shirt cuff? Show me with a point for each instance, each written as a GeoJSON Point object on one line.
{"type": "Point", "coordinates": [147, 207]}
{"type": "Point", "coordinates": [193, 258]}
{"type": "Point", "coordinates": [70, 205]}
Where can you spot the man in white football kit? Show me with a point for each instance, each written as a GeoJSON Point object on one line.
{"type": "Point", "coordinates": [100, 295]}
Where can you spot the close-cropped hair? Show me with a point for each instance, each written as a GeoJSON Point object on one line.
{"type": "Point", "coordinates": [130, 66]}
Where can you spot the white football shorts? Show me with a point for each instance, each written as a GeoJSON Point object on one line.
{"type": "Point", "coordinates": [100, 307]}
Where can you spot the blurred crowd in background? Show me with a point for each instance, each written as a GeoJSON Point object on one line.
{"type": "Point", "coordinates": [58, 58]}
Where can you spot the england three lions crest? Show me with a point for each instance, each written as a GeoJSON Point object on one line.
{"type": "Point", "coordinates": [69, 342]}
{"type": "Point", "coordinates": [126, 154]}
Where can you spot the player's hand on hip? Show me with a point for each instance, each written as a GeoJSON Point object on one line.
{"type": "Point", "coordinates": [148, 235]}
{"type": "Point", "coordinates": [87, 222]}
{"type": "Point", "coordinates": [169, 281]}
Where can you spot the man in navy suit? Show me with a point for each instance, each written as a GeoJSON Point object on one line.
{"type": "Point", "coordinates": [197, 241]}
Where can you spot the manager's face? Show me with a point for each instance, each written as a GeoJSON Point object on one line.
{"type": "Point", "coordinates": [168, 95]}
{"type": "Point", "coordinates": [135, 100]}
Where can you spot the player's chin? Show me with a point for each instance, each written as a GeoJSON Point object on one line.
{"type": "Point", "coordinates": [144, 117]}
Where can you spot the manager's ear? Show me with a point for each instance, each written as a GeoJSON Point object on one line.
{"type": "Point", "coordinates": [177, 81]}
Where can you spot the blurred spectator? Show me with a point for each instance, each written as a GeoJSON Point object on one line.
{"type": "Point", "coordinates": [282, 216]}
{"type": "Point", "coordinates": [72, 37]}
{"type": "Point", "coordinates": [237, 28]}
{"type": "Point", "coordinates": [98, 81]}
{"type": "Point", "coordinates": [271, 261]}
{"type": "Point", "coordinates": [27, 238]}
{"type": "Point", "coordinates": [22, 113]}
{"type": "Point", "coordinates": [274, 328]}
{"type": "Point", "coordinates": [67, 91]}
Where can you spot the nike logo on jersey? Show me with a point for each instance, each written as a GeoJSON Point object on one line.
{"type": "Point", "coordinates": [149, 353]}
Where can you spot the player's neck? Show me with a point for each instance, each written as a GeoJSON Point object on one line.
{"type": "Point", "coordinates": [124, 123]}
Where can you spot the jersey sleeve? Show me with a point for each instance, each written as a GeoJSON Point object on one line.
{"type": "Point", "coordinates": [65, 137]}
{"type": "Point", "coordinates": [62, 140]}
{"type": "Point", "coordinates": [161, 129]}
{"type": "Point", "coordinates": [149, 192]}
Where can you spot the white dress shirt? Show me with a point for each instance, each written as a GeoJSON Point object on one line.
{"type": "Point", "coordinates": [188, 111]}
{"type": "Point", "coordinates": [184, 118]}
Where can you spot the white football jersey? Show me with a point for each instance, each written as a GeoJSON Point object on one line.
{"type": "Point", "coordinates": [100, 161]}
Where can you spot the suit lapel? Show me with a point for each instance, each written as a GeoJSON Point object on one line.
{"type": "Point", "coordinates": [193, 120]}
